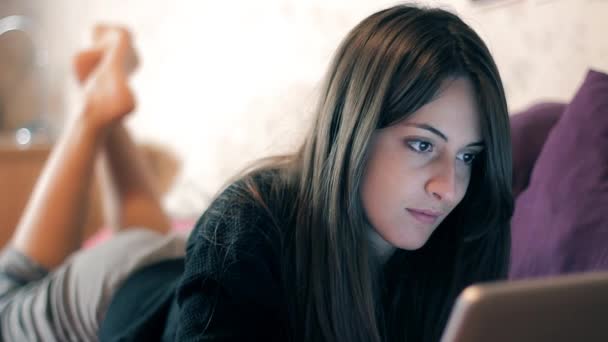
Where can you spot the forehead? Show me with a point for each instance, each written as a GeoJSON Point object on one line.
{"type": "Point", "coordinates": [453, 111]}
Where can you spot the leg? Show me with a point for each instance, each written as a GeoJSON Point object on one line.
{"type": "Point", "coordinates": [139, 203]}
{"type": "Point", "coordinates": [51, 226]}
{"type": "Point", "coordinates": [131, 182]}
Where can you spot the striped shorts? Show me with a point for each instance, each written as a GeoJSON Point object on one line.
{"type": "Point", "coordinates": [69, 303]}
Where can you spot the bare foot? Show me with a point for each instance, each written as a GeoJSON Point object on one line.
{"type": "Point", "coordinates": [86, 60]}
{"type": "Point", "coordinates": [104, 70]}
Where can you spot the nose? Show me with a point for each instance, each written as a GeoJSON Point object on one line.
{"type": "Point", "coordinates": [443, 182]}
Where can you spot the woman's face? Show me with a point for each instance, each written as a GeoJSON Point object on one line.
{"type": "Point", "coordinates": [419, 169]}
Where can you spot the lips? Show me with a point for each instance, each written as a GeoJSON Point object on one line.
{"type": "Point", "coordinates": [424, 216]}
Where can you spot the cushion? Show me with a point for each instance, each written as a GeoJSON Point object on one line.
{"type": "Point", "coordinates": [529, 130]}
{"type": "Point", "coordinates": [560, 223]}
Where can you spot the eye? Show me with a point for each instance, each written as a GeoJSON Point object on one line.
{"type": "Point", "coordinates": [467, 158]}
{"type": "Point", "coordinates": [420, 146]}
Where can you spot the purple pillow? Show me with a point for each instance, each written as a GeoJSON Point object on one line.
{"type": "Point", "coordinates": [529, 130]}
{"type": "Point", "coordinates": [560, 224]}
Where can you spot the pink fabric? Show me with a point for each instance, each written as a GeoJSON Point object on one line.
{"type": "Point", "coordinates": [181, 226]}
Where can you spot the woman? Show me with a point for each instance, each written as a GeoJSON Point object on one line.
{"type": "Point", "coordinates": [399, 197]}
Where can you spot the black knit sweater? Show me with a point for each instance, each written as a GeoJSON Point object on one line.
{"type": "Point", "coordinates": [228, 288]}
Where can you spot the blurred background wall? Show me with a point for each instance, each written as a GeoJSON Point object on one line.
{"type": "Point", "coordinates": [225, 82]}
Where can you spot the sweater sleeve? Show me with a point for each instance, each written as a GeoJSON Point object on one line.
{"type": "Point", "coordinates": [230, 289]}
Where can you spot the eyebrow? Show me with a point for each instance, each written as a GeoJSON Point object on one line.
{"type": "Point", "coordinates": [439, 133]}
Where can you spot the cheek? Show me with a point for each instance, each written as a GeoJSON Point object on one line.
{"type": "Point", "coordinates": [381, 189]}
{"type": "Point", "coordinates": [464, 179]}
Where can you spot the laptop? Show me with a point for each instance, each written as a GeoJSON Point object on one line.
{"type": "Point", "coordinates": [556, 309]}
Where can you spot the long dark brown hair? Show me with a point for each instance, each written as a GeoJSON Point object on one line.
{"type": "Point", "coordinates": [387, 67]}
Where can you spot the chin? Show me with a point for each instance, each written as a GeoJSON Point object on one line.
{"type": "Point", "coordinates": [412, 241]}
{"type": "Point", "coordinates": [414, 246]}
{"type": "Point", "coordinates": [410, 244]}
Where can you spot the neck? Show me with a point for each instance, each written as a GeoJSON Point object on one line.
{"type": "Point", "coordinates": [380, 248]}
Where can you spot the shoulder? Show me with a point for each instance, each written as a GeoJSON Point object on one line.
{"type": "Point", "coordinates": [244, 213]}
{"type": "Point", "coordinates": [239, 236]}
{"type": "Point", "coordinates": [232, 283]}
